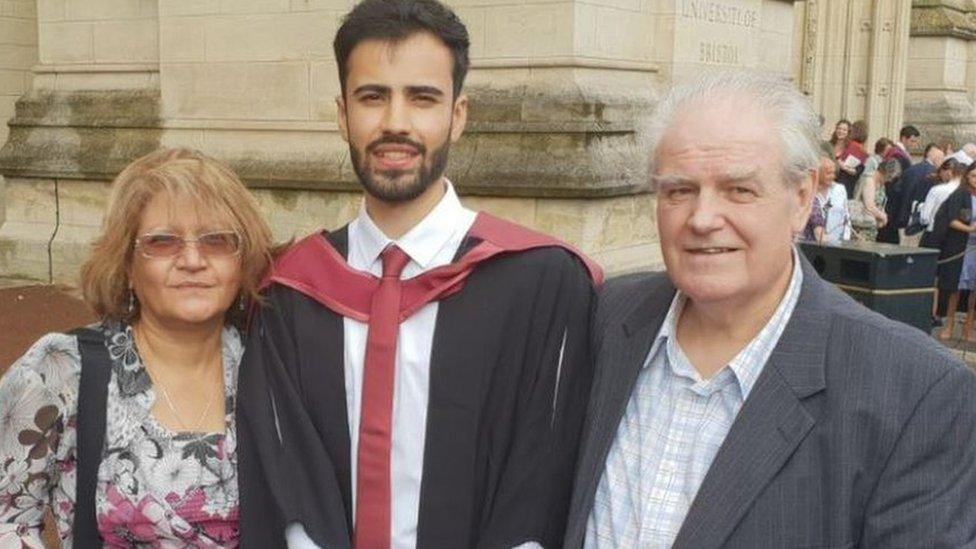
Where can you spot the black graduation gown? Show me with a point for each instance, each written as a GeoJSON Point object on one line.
{"type": "Point", "coordinates": [506, 405]}
{"type": "Point", "coordinates": [950, 241]}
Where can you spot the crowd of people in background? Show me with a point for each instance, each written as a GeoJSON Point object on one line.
{"type": "Point", "coordinates": [884, 197]}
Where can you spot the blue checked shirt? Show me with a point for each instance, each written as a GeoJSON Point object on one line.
{"type": "Point", "coordinates": [674, 425]}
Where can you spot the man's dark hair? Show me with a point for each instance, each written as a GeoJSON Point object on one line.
{"type": "Point", "coordinates": [909, 131]}
{"type": "Point", "coordinates": [397, 20]}
{"type": "Point", "coordinates": [928, 149]}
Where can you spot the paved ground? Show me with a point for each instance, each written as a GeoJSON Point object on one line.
{"type": "Point", "coordinates": [27, 312]}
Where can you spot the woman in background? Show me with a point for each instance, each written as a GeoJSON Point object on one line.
{"type": "Point", "coordinates": [181, 256]}
{"type": "Point", "coordinates": [953, 231]}
{"type": "Point", "coordinates": [869, 214]}
{"type": "Point", "coordinates": [833, 198]}
{"type": "Point", "coordinates": [841, 137]}
{"type": "Point", "coordinates": [850, 163]}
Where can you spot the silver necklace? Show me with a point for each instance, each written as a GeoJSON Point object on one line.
{"type": "Point", "coordinates": [172, 407]}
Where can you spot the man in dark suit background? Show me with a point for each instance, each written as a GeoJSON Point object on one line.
{"type": "Point", "coordinates": [740, 400]}
{"type": "Point", "coordinates": [915, 184]}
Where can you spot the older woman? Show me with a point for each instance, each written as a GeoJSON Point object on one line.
{"type": "Point", "coordinates": [125, 429]}
{"type": "Point", "coordinates": [867, 206]}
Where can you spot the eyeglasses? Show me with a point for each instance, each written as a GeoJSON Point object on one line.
{"type": "Point", "coordinates": [215, 244]}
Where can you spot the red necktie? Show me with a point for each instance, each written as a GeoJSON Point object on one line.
{"type": "Point", "coordinates": [373, 493]}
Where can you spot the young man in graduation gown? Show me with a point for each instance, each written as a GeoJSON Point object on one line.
{"type": "Point", "coordinates": [419, 377]}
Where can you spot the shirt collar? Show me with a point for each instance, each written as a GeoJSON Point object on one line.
{"type": "Point", "coordinates": [423, 241]}
{"type": "Point", "coordinates": [749, 362]}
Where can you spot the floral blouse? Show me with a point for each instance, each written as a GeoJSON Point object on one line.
{"type": "Point", "coordinates": [156, 488]}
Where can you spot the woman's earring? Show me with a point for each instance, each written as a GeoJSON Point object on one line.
{"type": "Point", "coordinates": [132, 301]}
{"type": "Point", "coordinates": [241, 303]}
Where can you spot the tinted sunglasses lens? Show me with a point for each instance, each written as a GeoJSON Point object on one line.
{"type": "Point", "coordinates": [222, 243]}
{"type": "Point", "coordinates": [160, 245]}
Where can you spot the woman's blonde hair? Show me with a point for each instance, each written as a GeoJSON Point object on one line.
{"type": "Point", "coordinates": [184, 174]}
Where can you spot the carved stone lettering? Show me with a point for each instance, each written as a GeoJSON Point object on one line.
{"type": "Point", "coordinates": [717, 12]}
{"type": "Point", "coordinates": [712, 53]}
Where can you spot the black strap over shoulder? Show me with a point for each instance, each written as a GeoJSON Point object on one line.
{"type": "Point", "coordinates": [96, 368]}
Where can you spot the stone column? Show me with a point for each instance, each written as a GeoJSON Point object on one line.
{"type": "Point", "coordinates": [853, 61]}
{"type": "Point", "coordinates": [941, 87]}
{"type": "Point", "coordinates": [18, 53]}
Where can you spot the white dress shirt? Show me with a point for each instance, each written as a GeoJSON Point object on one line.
{"type": "Point", "coordinates": [937, 195]}
{"type": "Point", "coordinates": [961, 156]}
{"type": "Point", "coordinates": [431, 243]}
{"type": "Point", "coordinates": [838, 219]}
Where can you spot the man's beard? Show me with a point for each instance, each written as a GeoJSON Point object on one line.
{"type": "Point", "coordinates": [394, 185]}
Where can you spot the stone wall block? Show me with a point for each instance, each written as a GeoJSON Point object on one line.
{"type": "Point", "coordinates": [564, 219]}
{"type": "Point", "coordinates": [11, 82]}
{"type": "Point", "coordinates": [87, 135]}
{"type": "Point", "coordinates": [253, 6]}
{"type": "Point", "coordinates": [277, 37]}
{"type": "Point", "coordinates": [623, 222]}
{"type": "Point", "coordinates": [516, 210]}
{"type": "Point", "coordinates": [475, 19]}
{"type": "Point", "coordinates": [633, 6]}
{"type": "Point", "coordinates": [82, 203]}
{"type": "Point", "coordinates": [942, 18]}
{"type": "Point", "coordinates": [342, 6]}
{"type": "Point", "coordinates": [290, 160]}
{"type": "Point", "coordinates": [611, 100]}
{"type": "Point", "coordinates": [66, 43]}
{"type": "Point", "coordinates": [17, 57]}
{"type": "Point", "coordinates": [31, 201]}
{"type": "Point", "coordinates": [324, 90]}
{"type": "Point", "coordinates": [24, 250]}
{"type": "Point", "coordinates": [498, 95]}
{"type": "Point", "coordinates": [6, 113]}
{"type": "Point", "coordinates": [777, 16]}
{"type": "Point", "coordinates": [18, 9]}
{"type": "Point", "coordinates": [182, 39]}
{"type": "Point", "coordinates": [51, 10]}
{"type": "Point", "coordinates": [622, 34]}
{"type": "Point", "coordinates": [70, 249]}
{"type": "Point", "coordinates": [135, 41]}
{"type": "Point", "coordinates": [241, 91]}
{"type": "Point", "coordinates": [31, 218]}
{"type": "Point", "coordinates": [188, 7]}
{"type": "Point", "coordinates": [21, 32]}
{"type": "Point", "coordinates": [542, 164]}
{"type": "Point", "coordinates": [294, 214]}
{"type": "Point", "coordinates": [929, 47]}
{"type": "Point", "coordinates": [109, 10]}
{"type": "Point", "coordinates": [662, 39]}
{"type": "Point", "coordinates": [534, 30]}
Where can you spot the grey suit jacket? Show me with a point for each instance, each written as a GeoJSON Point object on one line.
{"type": "Point", "coordinates": [860, 431]}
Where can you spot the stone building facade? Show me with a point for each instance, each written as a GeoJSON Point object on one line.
{"type": "Point", "coordinates": [559, 91]}
{"type": "Point", "coordinates": [18, 53]}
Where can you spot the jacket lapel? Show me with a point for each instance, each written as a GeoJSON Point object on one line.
{"type": "Point", "coordinates": [770, 425]}
{"type": "Point", "coordinates": [624, 350]}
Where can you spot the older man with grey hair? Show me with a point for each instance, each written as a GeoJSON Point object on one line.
{"type": "Point", "coordinates": [740, 400]}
